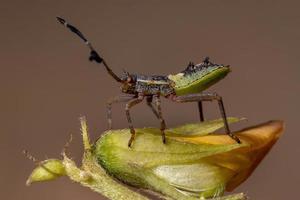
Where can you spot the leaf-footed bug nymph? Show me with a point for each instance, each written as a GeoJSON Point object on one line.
{"type": "Point", "coordinates": [186, 86]}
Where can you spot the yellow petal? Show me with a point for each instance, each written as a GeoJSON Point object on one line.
{"type": "Point", "coordinates": [242, 161]}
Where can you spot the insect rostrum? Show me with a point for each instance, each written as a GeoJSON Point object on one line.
{"type": "Point", "coordinates": [186, 86]}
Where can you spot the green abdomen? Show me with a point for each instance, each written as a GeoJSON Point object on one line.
{"type": "Point", "coordinates": [197, 82]}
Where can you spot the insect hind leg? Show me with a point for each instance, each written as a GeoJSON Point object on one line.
{"type": "Point", "coordinates": [208, 97]}
{"type": "Point", "coordinates": [200, 108]}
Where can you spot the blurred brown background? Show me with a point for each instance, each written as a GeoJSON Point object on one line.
{"type": "Point", "coordinates": [47, 82]}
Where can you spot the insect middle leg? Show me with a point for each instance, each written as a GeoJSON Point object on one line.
{"type": "Point", "coordinates": [208, 97]}
{"type": "Point", "coordinates": [130, 104]}
{"type": "Point", "coordinates": [149, 103]}
{"type": "Point", "coordinates": [117, 99]}
{"type": "Point", "coordinates": [162, 121]}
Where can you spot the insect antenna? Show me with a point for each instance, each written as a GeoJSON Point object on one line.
{"type": "Point", "coordinates": [94, 56]}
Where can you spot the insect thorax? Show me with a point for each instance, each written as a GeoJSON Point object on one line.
{"type": "Point", "coordinates": [150, 85]}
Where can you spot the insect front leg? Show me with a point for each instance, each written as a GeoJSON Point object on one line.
{"type": "Point", "coordinates": [130, 104]}
{"type": "Point", "coordinates": [117, 99]}
{"type": "Point", "coordinates": [160, 117]}
{"type": "Point", "coordinates": [208, 97]}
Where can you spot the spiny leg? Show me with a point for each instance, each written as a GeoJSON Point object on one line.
{"type": "Point", "coordinates": [208, 97]}
{"type": "Point", "coordinates": [127, 108]}
{"type": "Point", "coordinates": [117, 99]}
{"type": "Point", "coordinates": [200, 108]}
{"type": "Point", "coordinates": [160, 117]}
{"type": "Point", "coordinates": [149, 103]}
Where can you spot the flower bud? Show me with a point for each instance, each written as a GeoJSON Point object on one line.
{"type": "Point", "coordinates": [193, 162]}
{"type": "Point", "coordinates": [46, 171]}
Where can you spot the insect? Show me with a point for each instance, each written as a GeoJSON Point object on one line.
{"type": "Point", "coordinates": [186, 86]}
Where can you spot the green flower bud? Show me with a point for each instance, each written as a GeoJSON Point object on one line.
{"type": "Point", "coordinates": [191, 164]}
{"type": "Point", "coordinates": [194, 164]}
{"type": "Point", "coordinates": [47, 170]}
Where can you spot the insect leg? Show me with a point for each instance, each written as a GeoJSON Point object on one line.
{"type": "Point", "coordinates": [208, 97]}
{"type": "Point", "coordinates": [200, 108]}
{"type": "Point", "coordinates": [130, 104]}
{"type": "Point", "coordinates": [149, 103]}
{"type": "Point", "coordinates": [160, 117]}
{"type": "Point", "coordinates": [117, 99]}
